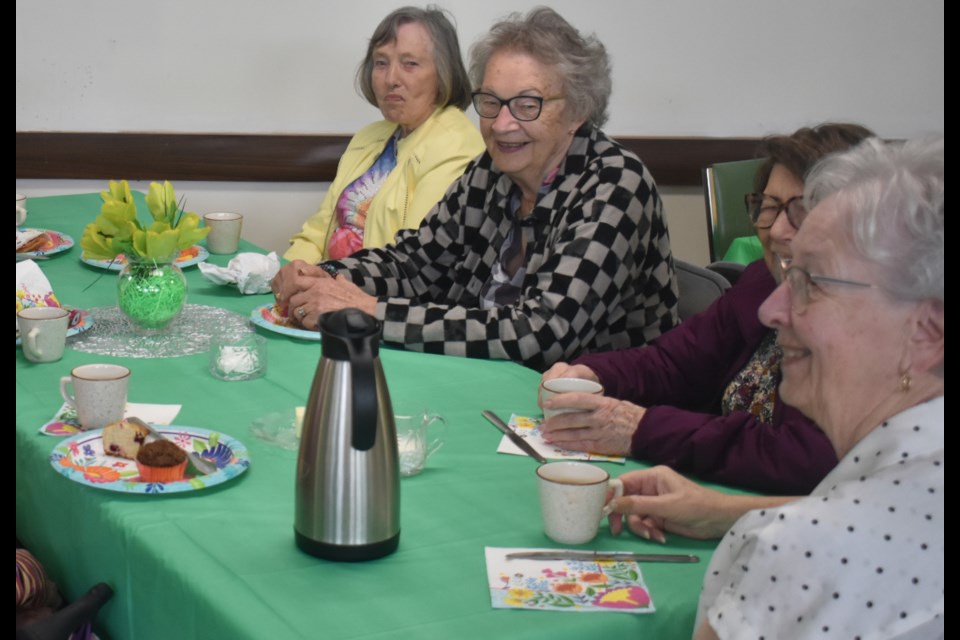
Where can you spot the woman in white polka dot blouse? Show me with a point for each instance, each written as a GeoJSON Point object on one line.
{"type": "Point", "coordinates": [860, 321]}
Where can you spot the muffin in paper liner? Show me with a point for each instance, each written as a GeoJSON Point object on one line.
{"type": "Point", "coordinates": [161, 461]}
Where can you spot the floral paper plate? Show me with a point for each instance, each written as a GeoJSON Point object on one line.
{"type": "Point", "coordinates": [80, 321]}
{"type": "Point", "coordinates": [187, 258]}
{"type": "Point", "coordinates": [268, 316]}
{"type": "Point", "coordinates": [81, 459]}
{"type": "Point", "coordinates": [58, 243]}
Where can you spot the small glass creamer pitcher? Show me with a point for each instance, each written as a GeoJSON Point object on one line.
{"type": "Point", "coordinates": [419, 436]}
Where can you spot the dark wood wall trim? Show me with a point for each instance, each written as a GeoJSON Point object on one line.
{"type": "Point", "coordinates": [287, 158]}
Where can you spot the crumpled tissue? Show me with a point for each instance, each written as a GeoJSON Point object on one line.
{"type": "Point", "coordinates": [33, 288]}
{"type": "Point", "coordinates": [251, 272]}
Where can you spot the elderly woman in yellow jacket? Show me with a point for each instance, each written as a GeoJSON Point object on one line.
{"type": "Point", "coordinates": [395, 170]}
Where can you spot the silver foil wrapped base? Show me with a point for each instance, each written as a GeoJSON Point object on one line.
{"type": "Point", "coordinates": [112, 333]}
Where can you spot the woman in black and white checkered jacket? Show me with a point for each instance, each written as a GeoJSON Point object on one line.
{"type": "Point", "coordinates": [551, 244]}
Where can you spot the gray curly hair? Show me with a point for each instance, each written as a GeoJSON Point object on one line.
{"type": "Point", "coordinates": [544, 35]}
{"type": "Point", "coordinates": [892, 194]}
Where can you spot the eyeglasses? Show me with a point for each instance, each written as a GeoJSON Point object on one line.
{"type": "Point", "coordinates": [764, 209]}
{"type": "Point", "coordinates": [802, 284]}
{"type": "Point", "coordinates": [523, 108]}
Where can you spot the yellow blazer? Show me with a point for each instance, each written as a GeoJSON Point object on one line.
{"type": "Point", "coordinates": [428, 161]}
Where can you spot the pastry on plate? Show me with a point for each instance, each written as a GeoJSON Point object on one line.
{"type": "Point", "coordinates": [161, 461]}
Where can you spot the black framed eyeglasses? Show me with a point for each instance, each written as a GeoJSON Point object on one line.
{"type": "Point", "coordinates": [523, 108]}
{"type": "Point", "coordinates": [763, 210]}
{"type": "Point", "coordinates": [802, 282]}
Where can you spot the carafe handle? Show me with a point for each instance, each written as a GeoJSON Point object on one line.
{"type": "Point", "coordinates": [364, 391]}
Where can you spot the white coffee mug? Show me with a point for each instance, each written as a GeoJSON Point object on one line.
{"type": "Point", "coordinates": [419, 436]}
{"type": "Point", "coordinates": [555, 386]}
{"type": "Point", "coordinates": [224, 236]}
{"type": "Point", "coordinates": [43, 332]}
{"type": "Point", "coordinates": [100, 393]}
{"type": "Point", "coordinates": [573, 500]}
{"type": "Point", "coordinates": [21, 209]}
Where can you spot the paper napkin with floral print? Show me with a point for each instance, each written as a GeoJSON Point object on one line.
{"type": "Point", "coordinates": [565, 585]}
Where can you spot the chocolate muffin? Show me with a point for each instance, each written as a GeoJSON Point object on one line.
{"type": "Point", "coordinates": [161, 461]}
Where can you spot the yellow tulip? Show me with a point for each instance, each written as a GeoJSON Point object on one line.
{"type": "Point", "coordinates": [190, 231]}
{"type": "Point", "coordinates": [139, 243]}
{"type": "Point", "coordinates": [95, 245]}
{"type": "Point", "coordinates": [162, 246]}
{"type": "Point", "coordinates": [162, 202]}
{"type": "Point", "coordinates": [119, 191]}
{"type": "Point", "coordinates": [117, 229]}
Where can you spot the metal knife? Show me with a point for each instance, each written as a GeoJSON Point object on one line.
{"type": "Point", "coordinates": [515, 438]}
{"type": "Point", "coordinates": [593, 556]}
{"type": "Point", "coordinates": [201, 465]}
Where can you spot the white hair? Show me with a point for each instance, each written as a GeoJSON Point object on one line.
{"type": "Point", "coordinates": [891, 197]}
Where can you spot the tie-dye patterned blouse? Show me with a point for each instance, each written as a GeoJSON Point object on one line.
{"type": "Point", "coordinates": [353, 203]}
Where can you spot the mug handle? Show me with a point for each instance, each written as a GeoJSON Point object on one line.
{"type": "Point", "coordinates": [30, 341]}
{"type": "Point", "coordinates": [434, 445]}
{"type": "Point", "coordinates": [617, 485]}
{"type": "Point", "coordinates": [71, 402]}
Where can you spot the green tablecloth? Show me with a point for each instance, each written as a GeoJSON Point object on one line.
{"type": "Point", "coordinates": [221, 563]}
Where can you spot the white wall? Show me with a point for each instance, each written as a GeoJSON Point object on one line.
{"type": "Point", "coordinates": [681, 67]}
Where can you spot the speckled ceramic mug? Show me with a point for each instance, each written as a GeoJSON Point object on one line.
{"type": "Point", "coordinates": [21, 209]}
{"type": "Point", "coordinates": [556, 386]}
{"type": "Point", "coordinates": [573, 500]}
{"type": "Point", "coordinates": [99, 393]}
{"type": "Point", "coordinates": [43, 332]}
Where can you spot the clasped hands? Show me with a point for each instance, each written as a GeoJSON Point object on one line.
{"type": "Point", "coordinates": [306, 291]}
{"type": "Point", "coordinates": [601, 424]}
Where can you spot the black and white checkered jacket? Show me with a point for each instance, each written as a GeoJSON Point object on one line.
{"type": "Point", "coordinates": [599, 273]}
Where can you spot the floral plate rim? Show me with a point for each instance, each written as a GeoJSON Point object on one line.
{"type": "Point", "coordinates": [259, 317]}
{"type": "Point", "coordinates": [61, 242]}
{"type": "Point", "coordinates": [202, 255]}
{"type": "Point", "coordinates": [119, 474]}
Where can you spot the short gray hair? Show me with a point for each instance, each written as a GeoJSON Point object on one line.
{"type": "Point", "coordinates": [544, 35]}
{"type": "Point", "coordinates": [453, 83]}
{"type": "Point", "coordinates": [891, 198]}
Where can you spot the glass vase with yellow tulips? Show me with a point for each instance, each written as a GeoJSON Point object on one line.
{"type": "Point", "coordinates": [151, 290]}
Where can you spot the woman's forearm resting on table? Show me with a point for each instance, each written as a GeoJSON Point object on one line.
{"type": "Point", "coordinates": [710, 520]}
{"type": "Point", "coordinates": [660, 500]}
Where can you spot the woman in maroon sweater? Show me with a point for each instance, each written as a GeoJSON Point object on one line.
{"type": "Point", "coordinates": [702, 398]}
